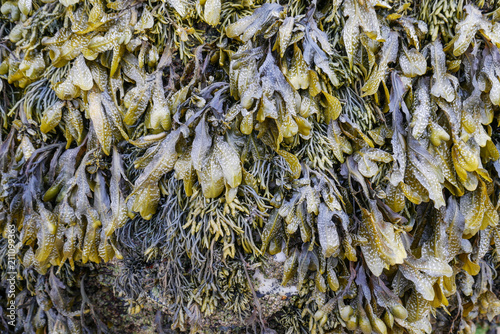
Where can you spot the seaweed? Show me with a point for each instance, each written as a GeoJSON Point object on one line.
{"type": "Point", "coordinates": [187, 142]}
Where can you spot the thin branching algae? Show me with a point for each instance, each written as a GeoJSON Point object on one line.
{"type": "Point", "coordinates": [188, 142]}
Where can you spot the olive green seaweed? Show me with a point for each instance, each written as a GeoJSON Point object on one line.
{"type": "Point", "coordinates": [349, 149]}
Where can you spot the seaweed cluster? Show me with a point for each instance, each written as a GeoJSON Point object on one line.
{"type": "Point", "coordinates": [188, 141]}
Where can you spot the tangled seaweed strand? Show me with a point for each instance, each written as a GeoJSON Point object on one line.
{"type": "Point", "coordinates": [188, 141]}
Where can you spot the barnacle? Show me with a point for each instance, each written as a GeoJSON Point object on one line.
{"type": "Point", "coordinates": [187, 142]}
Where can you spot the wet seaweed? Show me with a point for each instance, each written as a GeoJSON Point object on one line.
{"type": "Point", "coordinates": [189, 141]}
